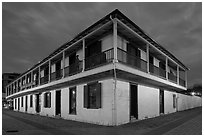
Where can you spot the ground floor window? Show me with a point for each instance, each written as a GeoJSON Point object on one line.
{"type": "Point", "coordinates": [21, 101]}
{"type": "Point", "coordinates": [15, 103]}
{"type": "Point", "coordinates": [72, 100]}
{"type": "Point", "coordinates": [174, 101]}
{"type": "Point", "coordinates": [92, 95]}
{"type": "Point", "coordinates": [47, 100]}
{"type": "Point", "coordinates": [31, 100]}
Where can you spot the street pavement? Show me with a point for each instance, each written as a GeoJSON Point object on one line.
{"type": "Point", "coordinates": [187, 122]}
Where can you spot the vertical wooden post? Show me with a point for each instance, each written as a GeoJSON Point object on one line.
{"type": "Point", "coordinates": [39, 76]}
{"type": "Point", "coordinates": [83, 50]}
{"type": "Point", "coordinates": [177, 74]}
{"type": "Point", "coordinates": [49, 73]}
{"type": "Point", "coordinates": [147, 55]}
{"type": "Point", "coordinates": [63, 64]}
{"type": "Point", "coordinates": [167, 68]}
{"type": "Point", "coordinates": [115, 35]}
{"type": "Point", "coordinates": [186, 78]}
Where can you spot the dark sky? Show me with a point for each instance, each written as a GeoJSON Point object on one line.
{"type": "Point", "coordinates": [31, 31]}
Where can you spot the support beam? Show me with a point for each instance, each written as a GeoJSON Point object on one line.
{"type": "Point", "coordinates": [83, 50]}
{"type": "Point", "coordinates": [115, 35]}
{"type": "Point", "coordinates": [167, 68]}
{"type": "Point", "coordinates": [177, 74]}
{"type": "Point", "coordinates": [147, 55]}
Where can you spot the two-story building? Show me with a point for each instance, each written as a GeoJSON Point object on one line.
{"type": "Point", "coordinates": [109, 74]}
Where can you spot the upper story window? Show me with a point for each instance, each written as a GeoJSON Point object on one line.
{"type": "Point", "coordinates": [92, 96]}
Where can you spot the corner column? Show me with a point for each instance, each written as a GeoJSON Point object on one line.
{"type": "Point", "coordinates": [115, 34]}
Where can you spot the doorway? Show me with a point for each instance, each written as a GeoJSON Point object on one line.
{"type": "Point", "coordinates": [58, 103]}
{"type": "Point", "coordinates": [133, 101]}
{"type": "Point", "coordinates": [26, 103]}
{"type": "Point", "coordinates": [161, 101]}
{"type": "Point", "coordinates": [37, 108]}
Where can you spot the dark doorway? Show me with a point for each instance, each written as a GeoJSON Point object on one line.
{"type": "Point", "coordinates": [133, 101]}
{"type": "Point", "coordinates": [37, 107]}
{"type": "Point", "coordinates": [18, 103]}
{"type": "Point", "coordinates": [161, 101]}
{"type": "Point", "coordinates": [72, 100]}
{"type": "Point", "coordinates": [58, 103]}
{"type": "Point", "coordinates": [26, 103]}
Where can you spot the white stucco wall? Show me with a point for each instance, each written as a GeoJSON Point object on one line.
{"type": "Point", "coordinates": [102, 116]}
{"type": "Point", "coordinates": [122, 102]}
{"type": "Point", "coordinates": [148, 102]}
{"type": "Point", "coordinates": [188, 102]}
{"type": "Point", "coordinates": [168, 102]}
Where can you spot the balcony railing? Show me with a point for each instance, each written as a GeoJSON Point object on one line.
{"type": "Point", "coordinates": [172, 77]}
{"type": "Point", "coordinates": [99, 59]}
{"type": "Point", "coordinates": [73, 68]}
{"type": "Point", "coordinates": [157, 71]}
{"type": "Point", "coordinates": [182, 82]}
{"type": "Point", "coordinates": [44, 80]}
{"type": "Point", "coordinates": [56, 75]}
{"type": "Point", "coordinates": [125, 57]}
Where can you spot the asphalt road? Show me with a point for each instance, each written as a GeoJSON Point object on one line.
{"type": "Point", "coordinates": [185, 122]}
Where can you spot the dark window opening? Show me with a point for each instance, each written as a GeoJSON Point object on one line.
{"type": "Point", "coordinates": [174, 101]}
{"type": "Point", "coordinates": [21, 101]}
{"type": "Point", "coordinates": [47, 100]}
{"type": "Point", "coordinates": [31, 100]}
{"type": "Point", "coordinates": [92, 96]}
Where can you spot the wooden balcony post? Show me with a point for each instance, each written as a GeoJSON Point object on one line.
{"type": "Point", "coordinates": [186, 78]}
{"type": "Point", "coordinates": [63, 64]}
{"type": "Point", "coordinates": [147, 55]}
{"type": "Point", "coordinates": [83, 50]}
{"type": "Point", "coordinates": [177, 74]}
{"type": "Point", "coordinates": [49, 73]}
{"type": "Point", "coordinates": [115, 35]}
{"type": "Point", "coordinates": [167, 68]}
{"type": "Point", "coordinates": [39, 77]}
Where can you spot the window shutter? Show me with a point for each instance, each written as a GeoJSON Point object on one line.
{"type": "Point", "coordinates": [86, 96]}
{"type": "Point", "coordinates": [98, 96]}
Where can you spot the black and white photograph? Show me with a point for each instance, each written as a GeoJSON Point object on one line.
{"type": "Point", "coordinates": [101, 68]}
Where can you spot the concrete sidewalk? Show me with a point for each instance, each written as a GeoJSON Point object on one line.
{"type": "Point", "coordinates": [27, 124]}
